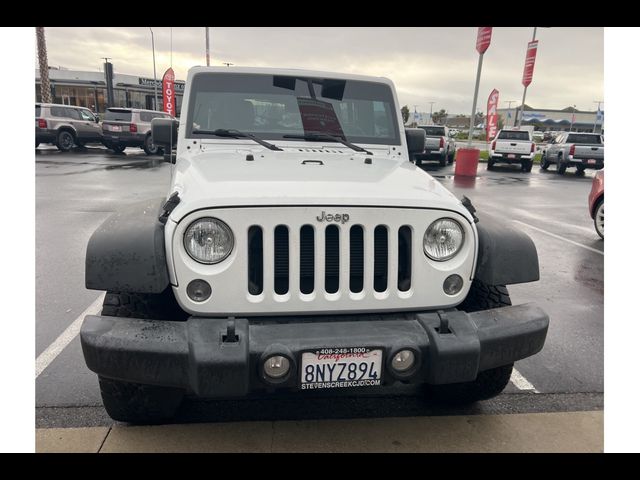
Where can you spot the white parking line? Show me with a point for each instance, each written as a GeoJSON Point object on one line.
{"type": "Point", "coordinates": [60, 343]}
{"type": "Point", "coordinates": [522, 383]}
{"type": "Point", "coordinates": [560, 237]}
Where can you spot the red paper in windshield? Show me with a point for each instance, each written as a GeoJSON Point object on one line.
{"type": "Point", "coordinates": [319, 117]}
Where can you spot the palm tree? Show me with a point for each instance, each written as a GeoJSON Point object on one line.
{"type": "Point", "coordinates": [45, 87]}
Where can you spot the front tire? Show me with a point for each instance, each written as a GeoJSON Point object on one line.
{"type": "Point", "coordinates": [65, 141]}
{"type": "Point", "coordinates": [136, 403]}
{"type": "Point", "coordinates": [598, 218]}
{"type": "Point", "coordinates": [452, 157]}
{"type": "Point", "coordinates": [544, 163]}
{"type": "Point", "coordinates": [489, 383]}
{"type": "Point", "coordinates": [490, 164]}
{"type": "Point", "coordinates": [443, 159]}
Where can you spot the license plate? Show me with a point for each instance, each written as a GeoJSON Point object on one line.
{"type": "Point", "coordinates": [591, 161]}
{"type": "Point", "coordinates": [511, 155]}
{"type": "Point", "coordinates": [115, 128]}
{"type": "Point", "coordinates": [341, 368]}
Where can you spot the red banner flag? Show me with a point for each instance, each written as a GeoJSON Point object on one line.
{"type": "Point", "coordinates": [492, 115]}
{"type": "Point", "coordinates": [169, 93]}
{"type": "Point", "coordinates": [484, 39]}
{"type": "Point", "coordinates": [529, 62]}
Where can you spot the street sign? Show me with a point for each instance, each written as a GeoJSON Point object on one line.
{"type": "Point", "coordinates": [529, 62]}
{"type": "Point", "coordinates": [492, 115]}
{"type": "Point", "coordinates": [484, 39]}
{"type": "Point", "coordinates": [169, 92]}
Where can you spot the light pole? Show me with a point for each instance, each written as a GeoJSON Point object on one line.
{"type": "Point", "coordinates": [573, 118]}
{"type": "Point", "coordinates": [431, 112]}
{"type": "Point", "coordinates": [509, 110]}
{"type": "Point", "coordinates": [155, 80]}
{"type": "Point", "coordinates": [597, 112]}
{"type": "Point", "coordinates": [207, 37]}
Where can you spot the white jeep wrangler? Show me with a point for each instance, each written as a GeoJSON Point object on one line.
{"type": "Point", "coordinates": [299, 249]}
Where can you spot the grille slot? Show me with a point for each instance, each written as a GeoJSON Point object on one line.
{"type": "Point", "coordinates": [380, 258]}
{"type": "Point", "coordinates": [307, 259]}
{"type": "Point", "coordinates": [404, 258]}
{"type": "Point", "coordinates": [255, 260]}
{"type": "Point", "coordinates": [331, 259]}
{"type": "Point", "coordinates": [356, 259]}
{"type": "Point", "coordinates": [281, 259]}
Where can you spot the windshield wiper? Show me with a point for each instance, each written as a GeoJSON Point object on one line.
{"type": "Point", "coordinates": [223, 132]}
{"type": "Point", "coordinates": [327, 136]}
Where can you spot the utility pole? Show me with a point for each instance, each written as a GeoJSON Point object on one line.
{"type": "Point", "coordinates": [431, 112]}
{"type": "Point", "coordinates": [598, 111]}
{"type": "Point", "coordinates": [524, 94]}
{"type": "Point", "coordinates": [155, 79]}
{"type": "Point", "coordinates": [509, 110]}
{"type": "Point", "coordinates": [207, 37]}
{"type": "Point", "coordinates": [45, 86]}
{"type": "Point", "coordinates": [573, 118]}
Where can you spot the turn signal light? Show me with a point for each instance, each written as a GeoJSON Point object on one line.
{"type": "Point", "coordinates": [533, 147]}
{"type": "Point", "coordinates": [42, 123]}
{"type": "Point", "coordinates": [493, 145]}
{"type": "Point", "coordinates": [133, 128]}
{"type": "Point", "coordinates": [572, 150]}
{"type": "Point", "coordinates": [441, 142]}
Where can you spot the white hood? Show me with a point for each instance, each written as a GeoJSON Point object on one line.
{"type": "Point", "coordinates": [223, 178]}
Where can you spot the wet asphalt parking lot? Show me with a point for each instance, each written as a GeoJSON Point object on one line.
{"type": "Point", "coordinates": [78, 190]}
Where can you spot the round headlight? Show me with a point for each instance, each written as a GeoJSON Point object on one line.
{"type": "Point", "coordinates": [208, 240]}
{"type": "Point", "coordinates": [443, 239]}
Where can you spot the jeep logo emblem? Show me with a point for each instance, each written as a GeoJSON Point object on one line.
{"type": "Point", "coordinates": [335, 217]}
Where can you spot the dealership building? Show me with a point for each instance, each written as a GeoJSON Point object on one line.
{"type": "Point", "coordinates": [89, 89]}
{"type": "Point", "coordinates": [555, 120]}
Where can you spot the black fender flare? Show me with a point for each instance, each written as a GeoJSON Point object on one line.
{"type": "Point", "coordinates": [127, 253]}
{"type": "Point", "coordinates": [506, 255]}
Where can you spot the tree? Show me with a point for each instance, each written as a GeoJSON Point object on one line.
{"type": "Point", "coordinates": [45, 88]}
{"type": "Point", "coordinates": [439, 117]}
{"type": "Point", "coordinates": [405, 114]}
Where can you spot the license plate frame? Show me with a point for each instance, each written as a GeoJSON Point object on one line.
{"type": "Point", "coordinates": [340, 377]}
{"type": "Point", "coordinates": [591, 161]}
{"type": "Point", "coordinates": [115, 128]}
{"type": "Point", "coordinates": [511, 155]}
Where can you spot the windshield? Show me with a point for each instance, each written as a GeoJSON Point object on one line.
{"type": "Point", "coordinates": [117, 115]}
{"type": "Point", "coordinates": [583, 138]}
{"type": "Point", "coordinates": [433, 131]}
{"type": "Point", "coordinates": [275, 106]}
{"type": "Point", "coordinates": [513, 135]}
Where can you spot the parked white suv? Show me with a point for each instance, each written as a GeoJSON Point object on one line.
{"type": "Point", "coordinates": [298, 248]}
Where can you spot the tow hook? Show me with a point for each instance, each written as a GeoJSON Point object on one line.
{"type": "Point", "coordinates": [231, 336]}
{"type": "Point", "coordinates": [444, 323]}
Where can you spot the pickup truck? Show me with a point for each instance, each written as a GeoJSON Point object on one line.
{"type": "Point", "coordinates": [512, 146]}
{"type": "Point", "coordinates": [439, 145]}
{"type": "Point", "coordinates": [571, 149]}
{"type": "Point", "coordinates": [297, 248]}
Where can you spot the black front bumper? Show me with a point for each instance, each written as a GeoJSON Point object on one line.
{"type": "Point", "coordinates": [201, 356]}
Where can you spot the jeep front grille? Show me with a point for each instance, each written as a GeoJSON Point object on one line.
{"type": "Point", "coordinates": [352, 259]}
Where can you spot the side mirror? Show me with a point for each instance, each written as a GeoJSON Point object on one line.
{"type": "Point", "coordinates": [416, 140]}
{"type": "Point", "coordinates": [164, 132]}
{"type": "Point", "coordinates": [97, 118]}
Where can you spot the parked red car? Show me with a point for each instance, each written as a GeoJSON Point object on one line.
{"type": "Point", "coordinates": [596, 202]}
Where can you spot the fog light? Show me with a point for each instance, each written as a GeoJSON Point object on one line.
{"type": "Point", "coordinates": [276, 366]}
{"type": "Point", "coordinates": [403, 360]}
{"type": "Point", "coordinates": [452, 284]}
{"type": "Point", "coordinates": [198, 290]}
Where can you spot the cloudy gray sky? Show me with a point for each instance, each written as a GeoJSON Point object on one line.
{"type": "Point", "coordinates": [426, 64]}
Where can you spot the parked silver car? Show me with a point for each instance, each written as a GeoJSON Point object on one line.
{"type": "Point", "coordinates": [66, 126]}
{"type": "Point", "coordinates": [130, 127]}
